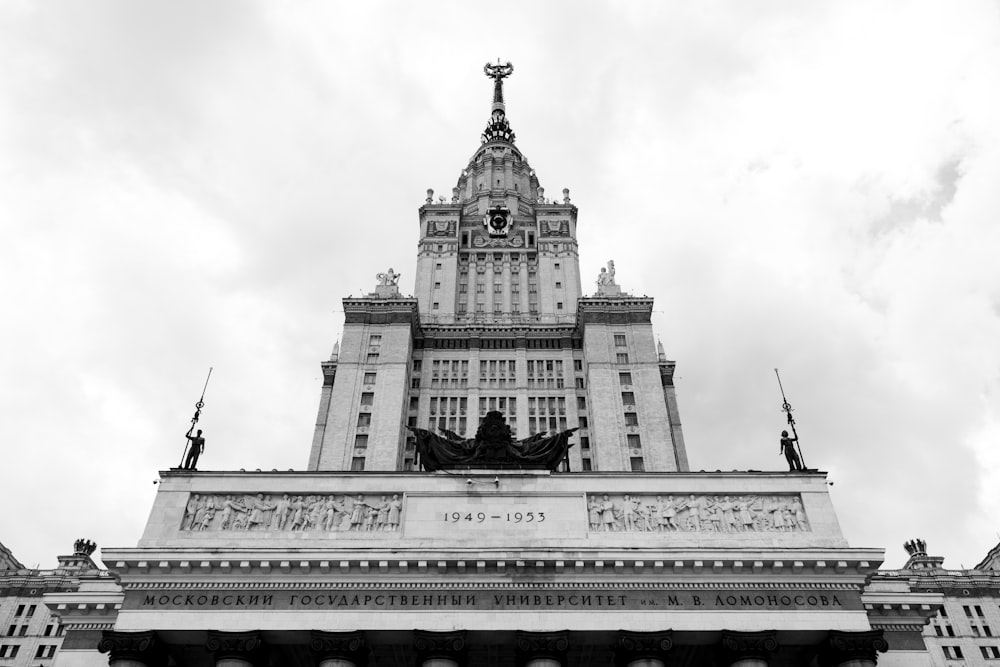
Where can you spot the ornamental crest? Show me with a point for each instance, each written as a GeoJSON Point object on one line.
{"type": "Point", "coordinates": [498, 221]}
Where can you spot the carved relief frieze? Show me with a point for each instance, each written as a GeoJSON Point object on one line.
{"type": "Point", "coordinates": [554, 228]}
{"type": "Point", "coordinates": [482, 242]}
{"type": "Point", "coordinates": [441, 227]}
{"type": "Point", "coordinates": [278, 513]}
{"type": "Point", "coordinates": [647, 513]}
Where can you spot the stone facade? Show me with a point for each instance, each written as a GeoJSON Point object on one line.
{"type": "Point", "coordinates": [500, 321]}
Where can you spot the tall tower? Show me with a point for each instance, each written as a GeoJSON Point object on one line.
{"type": "Point", "coordinates": [499, 321]}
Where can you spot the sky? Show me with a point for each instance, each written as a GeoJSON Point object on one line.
{"type": "Point", "coordinates": [804, 186]}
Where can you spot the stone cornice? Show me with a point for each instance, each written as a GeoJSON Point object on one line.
{"type": "Point", "coordinates": [141, 564]}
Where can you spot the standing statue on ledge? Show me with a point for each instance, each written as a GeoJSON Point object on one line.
{"type": "Point", "coordinates": [197, 448]}
{"type": "Point", "coordinates": [788, 449]}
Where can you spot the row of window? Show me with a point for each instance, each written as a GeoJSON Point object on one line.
{"type": "Point", "coordinates": [955, 652]}
{"type": "Point", "coordinates": [949, 631]}
{"type": "Point", "coordinates": [43, 651]}
{"type": "Point", "coordinates": [14, 630]}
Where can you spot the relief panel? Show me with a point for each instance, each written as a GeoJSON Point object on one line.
{"type": "Point", "coordinates": [649, 513]}
{"type": "Point", "coordinates": [275, 512]}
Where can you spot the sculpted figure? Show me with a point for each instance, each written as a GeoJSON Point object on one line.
{"type": "Point", "coordinates": [594, 514]}
{"type": "Point", "coordinates": [788, 449]}
{"type": "Point", "coordinates": [395, 513]}
{"type": "Point", "coordinates": [800, 515]}
{"type": "Point", "coordinates": [281, 512]}
{"type": "Point", "coordinates": [196, 449]}
{"type": "Point", "coordinates": [777, 515]}
{"type": "Point", "coordinates": [611, 272]}
{"type": "Point", "coordinates": [358, 513]}
{"type": "Point", "coordinates": [370, 517]}
{"type": "Point", "coordinates": [608, 514]}
{"type": "Point", "coordinates": [602, 277]}
{"type": "Point", "coordinates": [190, 512]}
{"type": "Point", "coordinates": [258, 506]}
{"type": "Point", "coordinates": [316, 508]}
{"type": "Point", "coordinates": [694, 506]}
{"type": "Point", "coordinates": [298, 513]}
{"type": "Point", "coordinates": [746, 517]}
{"type": "Point", "coordinates": [650, 518]}
{"type": "Point", "coordinates": [207, 514]}
{"type": "Point", "coordinates": [628, 513]}
{"type": "Point", "coordinates": [390, 277]}
{"type": "Point", "coordinates": [728, 514]}
{"type": "Point", "coordinates": [383, 514]}
{"type": "Point", "coordinates": [716, 515]}
{"type": "Point", "coordinates": [228, 508]}
{"type": "Point", "coordinates": [667, 513]}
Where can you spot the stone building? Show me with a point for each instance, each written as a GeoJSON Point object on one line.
{"type": "Point", "coordinates": [966, 629]}
{"type": "Point", "coordinates": [609, 553]}
{"type": "Point", "coordinates": [31, 635]}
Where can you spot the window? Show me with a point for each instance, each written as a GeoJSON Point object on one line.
{"type": "Point", "coordinates": [364, 419]}
{"type": "Point", "coordinates": [375, 339]}
{"type": "Point", "coordinates": [558, 285]}
{"type": "Point", "coordinates": [584, 442]}
{"type": "Point", "coordinates": [367, 398]}
{"type": "Point", "coordinates": [586, 465]}
{"type": "Point", "coordinates": [622, 357]}
{"type": "Point", "coordinates": [628, 398]}
{"type": "Point", "coordinates": [48, 631]}
{"type": "Point", "coordinates": [581, 402]}
{"type": "Point", "coordinates": [45, 651]}
{"type": "Point", "coordinates": [987, 631]}
{"type": "Point", "coordinates": [990, 652]}
{"type": "Point", "coordinates": [435, 306]}
{"type": "Point", "coordinates": [11, 631]}
{"type": "Point", "coordinates": [937, 631]}
{"type": "Point", "coordinates": [463, 288]}
{"type": "Point", "coordinates": [949, 630]}
{"type": "Point", "coordinates": [625, 379]}
{"type": "Point", "coordinates": [358, 463]}
{"type": "Point", "coordinates": [975, 631]}
{"type": "Point", "coordinates": [480, 288]}
{"type": "Point", "coordinates": [497, 288]}
{"type": "Point", "coordinates": [583, 422]}
{"type": "Point", "coordinates": [20, 610]}
{"type": "Point", "coordinates": [979, 611]}
{"type": "Point", "coordinates": [557, 263]}
{"type": "Point", "coordinates": [619, 340]}
{"type": "Point", "coordinates": [633, 440]}
{"type": "Point", "coordinates": [372, 358]}
{"type": "Point", "coordinates": [637, 465]}
{"type": "Point", "coordinates": [559, 305]}
{"type": "Point", "coordinates": [23, 631]}
{"type": "Point", "coordinates": [631, 419]}
{"type": "Point", "coordinates": [438, 265]}
{"type": "Point", "coordinates": [437, 285]}
{"type": "Point", "coordinates": [369, 378]}
{"type": "Point", "coordinates": [414, 383]}
{"type": "Point", "coordinates": [361, 441]}
{"type": "Point", "coordinates": [416, 365]}
{"type": "Point", "coordinates": [579, 383]}
{"type": "Point", "coordinates": [577, 365]}
{"type": "Point", "coordinates": [9, 650]}
{"type": "Point", "coordinates": [952, 652]}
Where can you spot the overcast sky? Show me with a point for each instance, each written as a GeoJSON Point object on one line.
{"type": "Point", "coordinates": [809, 186]}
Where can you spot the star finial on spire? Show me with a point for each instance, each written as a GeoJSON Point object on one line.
{"type": "Point", "coordinates": [498, 73]}
{"type": "Point", "coordinates": [498, 128]}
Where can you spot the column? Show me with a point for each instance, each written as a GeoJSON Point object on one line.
{"type": "Point", "coordinates": [339, 649]}
{"type": "Point", "coordinates": [440, 649]}
{"type": "Point", "coordinates": [643, 649]}
{"type": "Point", "coordinates": [132, 649]}
{"type": "Point", "coordinates": [852, 649]}
{"type": "Point", "coordinates": [748, 649]}
{"type": "Point", "coordinates": [541, 649]}
{"type": "Point", "coordinates": [237, 649]}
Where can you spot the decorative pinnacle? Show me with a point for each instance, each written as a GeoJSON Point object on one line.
{"type": "Point", "coordinates": [498, 73]}
{"type": "Point", "coordinates": [498, 129]}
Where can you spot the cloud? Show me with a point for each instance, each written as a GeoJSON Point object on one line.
{"type": "Point", "coordinates": [809, 187]}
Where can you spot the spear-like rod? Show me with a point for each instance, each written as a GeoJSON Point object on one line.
{"type": "Point", "coordinates": [197, 415]}
{"type": "Point", "coordinates": [787, 409]}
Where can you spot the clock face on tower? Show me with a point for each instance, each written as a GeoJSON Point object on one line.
{"type": "Point", "coordinates": [497, 221]}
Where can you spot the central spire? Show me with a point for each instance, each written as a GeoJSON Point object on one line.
{"type": "Point", "coordinates": [498, 129]}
